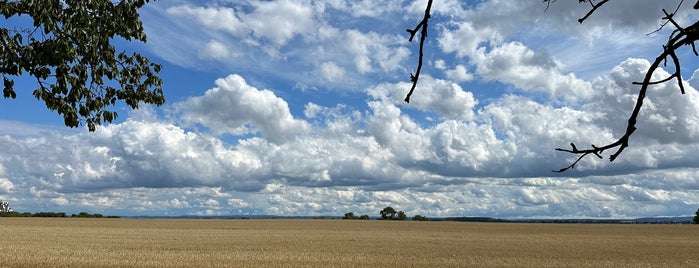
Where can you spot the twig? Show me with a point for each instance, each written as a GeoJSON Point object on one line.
{"type": "Point", "coordinates": [422, 27]}
{"type": "Point", "coordinates": [667, 21]}
{"type": "Point", "coordinates": [594, 7]}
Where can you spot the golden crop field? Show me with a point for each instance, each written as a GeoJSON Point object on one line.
{"type": "Point", "coordinates": [51, 242]}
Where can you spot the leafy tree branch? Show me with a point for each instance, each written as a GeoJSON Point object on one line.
{"type": "Point", "coordinates": [70, 53]}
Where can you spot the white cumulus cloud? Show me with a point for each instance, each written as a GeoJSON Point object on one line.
{"type": "Point", "coordinates": [237, 108]}
{"type": "Point", "coordinates": [433, 95]}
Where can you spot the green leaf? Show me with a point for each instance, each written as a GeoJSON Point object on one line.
{"type": "Point", "coordinates": [8, 91]}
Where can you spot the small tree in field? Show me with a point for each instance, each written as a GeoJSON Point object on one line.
{"type": "Point", "coordinates": [349, 216]}
{"type": "Point", "coordinates": [401, 216]}
{"type": "Point", "coordinates": [419, 217]}
{"type": "Point", "coordinates": [696, 217]}
{"type": "Point", "coordinates": [388, 213]}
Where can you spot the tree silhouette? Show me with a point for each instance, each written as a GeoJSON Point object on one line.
{"type": "Point", "coordinates": [388, 213]}
{"type": "Point", "coordinates": [350, 216]}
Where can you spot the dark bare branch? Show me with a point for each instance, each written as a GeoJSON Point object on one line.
{"type": "Point", "coordinates": [594, 7]}
{"type": "Point", "coordinates": [679, 37]}
{"type": "Point", "coordinates": [656, 82]}
{"type": "Point", "coordinates": [678, 73]}
{"type": "Point", "coordinates": [667, 20]}
{"type": "Point", "coordinates": [592, 10]}
{"type": "Point", "coordinates": [422, 27]}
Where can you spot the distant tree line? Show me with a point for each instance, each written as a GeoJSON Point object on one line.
{"type": "Point", "coordinates": [351, 216]}
{"type": "Point", "coordinates": [41, 214]}
{"type": "Point", "coordinates": [53, 215]}
{"type": "Point", "coordinates": [88, 215]}
{"type": "Point", "coordinates": [388, 213]}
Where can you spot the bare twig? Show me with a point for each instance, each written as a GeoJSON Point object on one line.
{"type": "Point", "coordinates": [422, 27]}
{"type": "Point", "coordinates": [679, 37]}
{"type": "Point", "coordinates": [548, 3]}
{"type": "Point", "coordinates": [592, 10]}
{"type": "Point", "coordinates": [667, 20]}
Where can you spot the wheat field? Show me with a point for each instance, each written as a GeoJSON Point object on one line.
{"type": "Point", "coordinates": [50, 242]}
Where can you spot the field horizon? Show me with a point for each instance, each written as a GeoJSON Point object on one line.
{"type": "Point", "coordinates": [641, 220]}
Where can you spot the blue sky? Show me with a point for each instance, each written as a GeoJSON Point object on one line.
{"type": "Point", "coordinates": [294, 107]}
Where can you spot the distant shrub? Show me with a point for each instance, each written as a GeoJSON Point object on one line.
{"type": "Point", "coordinates": [86, 215]}
{"type": "Point", "coordinates": [349, 216]}
{"type": "Point", "coordinates": [420, 218]}
{"type": "Point", "coordinates": [389, 213]}
{"type": "Point", "coordinates": [49, 214]}
{"type": "Point", "coordinates": [402, 216]}
{"type": "Point", "coordinates": [11, 214]}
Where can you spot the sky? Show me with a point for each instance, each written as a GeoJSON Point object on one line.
{"type": "Point", "coordinates": [295, 107]}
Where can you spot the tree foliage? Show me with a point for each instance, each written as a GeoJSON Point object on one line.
{"type": "Point", "coordinates": [50, 214]}
{"type": "Point", "coordinates": [389, 213]}
{"type": "Point", "coordinates": [401, 216]}
{"type": "Point", "coordinates": [349, 216]}
{"type": "Point", "coordinates": [696, 217]}
{"type": "Point", "coordinates": [69, 51]}
{"type": "Point", "coordinates": [86, 215]}
{"type": "Point", "coordinates": [419, 217]}
{"type": "Point", "coordinates": [14, 214]}
{"type": "Point", "coordinates": [45, 214]}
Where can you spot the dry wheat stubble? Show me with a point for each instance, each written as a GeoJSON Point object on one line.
{"type": "Point", "coordinates": [35, 242]}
